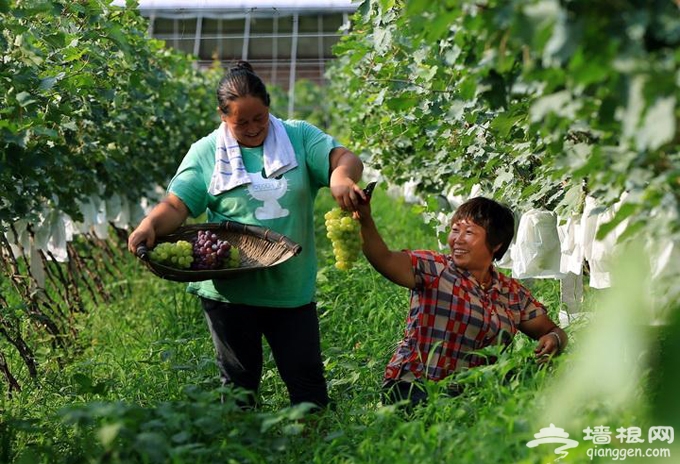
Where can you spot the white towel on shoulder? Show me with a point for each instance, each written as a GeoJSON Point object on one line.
{"type": "Point", "coordinates": [230, 172]}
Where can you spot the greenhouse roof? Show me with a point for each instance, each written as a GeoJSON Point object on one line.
{"type": "Point", "coordinates": [224, 8]}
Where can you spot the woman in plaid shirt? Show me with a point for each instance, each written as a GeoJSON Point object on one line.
{"type": "Point", "coordinates": [459, 302]}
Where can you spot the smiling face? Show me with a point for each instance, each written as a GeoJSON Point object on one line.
{"type": "Point", "coordinates": [248, 120]}
{"type": "Point", "coordinates": [469, 247]}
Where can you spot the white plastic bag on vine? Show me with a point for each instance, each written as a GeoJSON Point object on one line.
{"type": "Point", "coordinates": [60, 235]}
{"type": "Point", "coordinates": [89, 211]}
{"type": "Point", "coordinates": [101, 226]}
{"type": "Point", "coordinates": [94, 217]}
{"type": "Point", "coordinates": [571, 246]}
{"type": "Point", "coordinates": [537, 249]}
{"type": "Point", "coordinates": [19, 238]}
{"type": "Point", "coordinates": [51, 235]}
{"type": "Point", "coordinates": [506, 260]}
{"type": "Point", "coordinates": [114, 209]}
{"type": "Point", "coordinates": [407, 191]}
{"type": "Point", "coordinates": [600, 253]}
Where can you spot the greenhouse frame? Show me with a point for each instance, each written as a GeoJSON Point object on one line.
{"type": "Point", "coordinates": [284, 40]}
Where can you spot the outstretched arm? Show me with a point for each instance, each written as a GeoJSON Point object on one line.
{"type": "Point", "coordinates": [394, 265]}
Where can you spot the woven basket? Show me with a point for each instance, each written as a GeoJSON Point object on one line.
{"type": "Point", "coordinates": [258, 247]}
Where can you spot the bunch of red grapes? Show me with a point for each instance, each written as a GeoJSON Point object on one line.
{"type": "Point", "coordinates": [211, 252]}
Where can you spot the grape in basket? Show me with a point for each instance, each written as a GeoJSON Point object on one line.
{"type": "Point", "coordinates": [211, 252]}
{"type": "Point", "coordinates": [175, 254]}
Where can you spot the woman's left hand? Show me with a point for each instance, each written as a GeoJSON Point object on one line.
{"type": "Point", "coordinates": [547, 347]}
{"type": "Point", "coordinates": [348, 195]}
{"type": "Point", "coordinates": [345, 171]}
{"type": "Point", "coordinates": [551, 339]}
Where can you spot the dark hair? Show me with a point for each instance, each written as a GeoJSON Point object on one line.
{"type": "Point", "coordinates": [240, 81]}
{"type": "Point", "coordinates": [496, 219]}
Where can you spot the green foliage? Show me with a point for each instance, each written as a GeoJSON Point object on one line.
{"type": "Point", "coordinates": [311, 104]}
{"type": "Point", "coordinates": [539, 102]}
{"type": "Point", "coordinates": [143, 388]}
{"type": "Point", "coordinates": [90, 105]}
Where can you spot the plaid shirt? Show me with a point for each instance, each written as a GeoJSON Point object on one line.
{"type": "Point", "coordinates": [451, 315]}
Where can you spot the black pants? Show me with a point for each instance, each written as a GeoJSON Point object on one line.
{"type": "Point", "coordinates": [292, 335]}
{"type": "Point", "coordinates": [395, 391]}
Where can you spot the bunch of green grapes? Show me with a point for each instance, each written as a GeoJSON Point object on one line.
{"type": "Point", "coordinates": [344, 234]}
{"type": "Point", "coordinates": [179, 254]}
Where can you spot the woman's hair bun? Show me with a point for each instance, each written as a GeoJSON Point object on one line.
{"type": "Point", "coordinates": [242, 64]}
{"type": "Point", "coordinates": [239, 81]}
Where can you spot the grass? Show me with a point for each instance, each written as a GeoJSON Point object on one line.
{"type": "Point", "coordinates": [143, 387]}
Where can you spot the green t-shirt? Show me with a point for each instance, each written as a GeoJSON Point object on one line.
{"type": "Point", "coordinates": [284, 204]}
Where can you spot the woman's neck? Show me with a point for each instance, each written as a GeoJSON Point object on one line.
{"type": "Point", "coordinates": [483, 278]}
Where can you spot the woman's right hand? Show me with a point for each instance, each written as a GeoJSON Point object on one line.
{"type": "Point", "coordinates": [166, 216]}
{"type": "Point", "coordinates": [144, 234]}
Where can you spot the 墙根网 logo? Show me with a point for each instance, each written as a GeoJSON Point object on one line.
{"type": "Point", "coordinates": [554, 435]}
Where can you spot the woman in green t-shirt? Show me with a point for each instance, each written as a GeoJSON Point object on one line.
{"type": "Point", "coordinates": [260, 170]}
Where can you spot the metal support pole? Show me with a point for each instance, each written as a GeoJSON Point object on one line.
{"type": "Point", "coordinates": [197, 37]}
{"type": "Point", "coordinates": [152, 20]}
{"type": "Point", "coordinates": [219, 40]}
{"type": "Point", "coordinates": [293, 64]}
{"type": "Point", "coordinates": [275, 49]}
{"type": "Point", "coordinates": [246, 38]}
{"type": "Point", "coordinates": [175, 34]}
{"type": "Point", "coordinates": [320, 49]}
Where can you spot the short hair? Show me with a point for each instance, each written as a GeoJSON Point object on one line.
{"type": "Point", "coordinates": [240, 81]}
{"type": "Point", "coordinates": [497, 220]}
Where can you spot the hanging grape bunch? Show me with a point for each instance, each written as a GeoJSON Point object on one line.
{"type": "Point", "coordinates": [343, 231]}
{"type": "Point", "coordinates": [211, 252]}
{"type": "Point", "coordinates": [344, 234]}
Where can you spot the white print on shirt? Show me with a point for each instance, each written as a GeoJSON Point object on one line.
{"type": "Point", "coordinates": [268, 191]}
